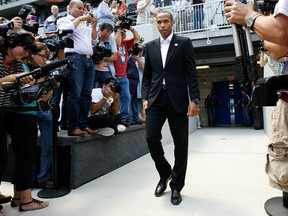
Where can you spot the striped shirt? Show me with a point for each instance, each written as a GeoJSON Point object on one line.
{"type": "Point", "coordinates": [15, 67]}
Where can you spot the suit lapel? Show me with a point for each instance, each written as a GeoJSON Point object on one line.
{"type": "Point", "coordinates": [172, 48]}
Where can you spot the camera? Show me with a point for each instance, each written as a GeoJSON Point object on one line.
{"type": "Point", "coordinates": [116, 88]}
{"type": "Point", "coordinates": [23, 12]}
{"type": "Point", "coordinates": [267, 5]}
{"type": "Point", "coordinates": [99, 52]}
{"type": "Point", "coordinates": [266, 90]}
{"type": "Point", "coordinates": [5, 27]}
{"type": "Point", "coordinates": [137, 48]}
{"type": "Point", "coordinates": [125, 22]}
{"type": "Point", "coordinates": [56, 43]}
{"type": "Point", "coordinates": [22, 95]}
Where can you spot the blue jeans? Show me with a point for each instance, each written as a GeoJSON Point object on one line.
{"type": "Point", "coordinates": [80, 82]}
{"type": "Point", "coordinates": [136, 106]}
{"type": "Point", "coordinates": [246, 116]}
{"type": "Point", "coordinates": [45, 122]}
{"type": "Point", "coordinates": [125, 98]}
{"type": "Point", "coordinates": [198, 17]}
{"type": "Point", "coordinates": [100, 77]}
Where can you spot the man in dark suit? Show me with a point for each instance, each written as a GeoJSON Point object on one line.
{"type": "Point", "coordinates": [169, 91]}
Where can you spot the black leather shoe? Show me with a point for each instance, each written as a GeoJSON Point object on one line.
{"type": "Point", "coordinates": [176, 197]}
{"type": "Point", "coordinates": [161, 186]}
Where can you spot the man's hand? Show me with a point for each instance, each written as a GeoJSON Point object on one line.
{"type": "Point", "coordinates": [193, 109]}
{"type": "Point", "coordinates": [17, 21]}
{"type": "Point", "coordinates": [238, 13]}
{"type": "Point", "coordinates": [145, 104]}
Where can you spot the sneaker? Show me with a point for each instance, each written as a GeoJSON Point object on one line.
{"type": "Point", "coordinates": [107, 131]}
{"type": "Point", "coordinates": [121, 128]}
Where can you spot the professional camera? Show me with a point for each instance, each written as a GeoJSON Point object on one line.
{"type": "Point", "coordinates": [99, 52]}
{"type": "Point", "coordinates": [116, 88]}
{"type": "Point", "coordinates": [23, 12]}
{"type": "Point", "coordinates": [5, 27]}
{"type": "Point", "coordinates": [267, 5]}
{"type": "Point", "coordinates": [125, 22]}
{"type": "Point", "coordinates": [267, 90]}
{"type": "Point", "coordinates": [56, 43]}
{"type": "Point", "coordinates": [20, 95]}
{"type": "Point", "coordinates": [137, 48]}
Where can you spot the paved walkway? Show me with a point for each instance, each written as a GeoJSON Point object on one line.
{"type": "Point", "coordinates": [225, 177]}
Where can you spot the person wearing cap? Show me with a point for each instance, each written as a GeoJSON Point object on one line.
{"type": "Point", "coordinates": [20, 124]}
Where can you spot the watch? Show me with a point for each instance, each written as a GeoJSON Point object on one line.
{"type": "Point", "coordinates": [196, 101]}
{"type": "Point", "coordinates": [251, 21]}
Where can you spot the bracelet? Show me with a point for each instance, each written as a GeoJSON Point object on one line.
{"type": "Point", "coordinates": [11, 79]}
{"type": "Point", "coordinates": [105, 98]}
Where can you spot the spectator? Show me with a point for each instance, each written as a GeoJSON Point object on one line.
{"type": "Point", "coordinates": [49, 23]}
{"type": "Point", "coordinates": [124, 45]}
{"type": "Point", "coordinates": [198, 13]}
{"type": "Point", "coordinates": [135, 67]}
{"type": "Point", "coordinates": [123, 8]}
{"type": "Point", "coordinates": [210, 106]}
{"type": "Point", "coordinates": [132, 11]}
{"type": "Point", "coordinates": [105, 68]}
{"type": "Point", "coordinates": [275, 66]}
{"type": "Point", "coordinates": [80, 81]}
{"type": "Point", "coordinates": [180, 12]}
{"type": "Point", "coordinates": [143, 7]}
{"type": "Point", "coordinates": [245, 102]}
{"type": "Point", "coordinates": [104, 109]}
{"type": "Point", "coordinates": [162, 3]}
{"type": "Point", "coordinates": [21, 125]}
{"type": "Point", "coordinates": [44, 118]}
{"type": "Point", "coordinates": [114, 7]}
{"type": "Point", "coordinates": [104, 14]}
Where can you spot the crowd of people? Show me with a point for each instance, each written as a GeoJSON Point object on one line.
{"type": "Point", "coordinates": [102, 92]}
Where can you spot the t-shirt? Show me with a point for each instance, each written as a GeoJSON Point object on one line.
{"type": "Point", "coordinates": [97, 95]}
{"type": "Point", "coordinates": [121, 63]}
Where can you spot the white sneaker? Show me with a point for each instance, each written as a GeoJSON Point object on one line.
{"type": "Point", "coordinates": [107, 131]}
{"type": "Point", "coordinates": [121, 128]}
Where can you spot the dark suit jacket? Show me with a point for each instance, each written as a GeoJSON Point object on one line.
{"type": "Point", "coordinates": [179, 73]}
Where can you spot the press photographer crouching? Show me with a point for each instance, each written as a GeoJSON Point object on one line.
{"type": "Point", "coordinates": [104, 109]}
{"type": "Point", "coordinates": [104, 54]}
{"type": "Point", "coordinates": [20, 125]}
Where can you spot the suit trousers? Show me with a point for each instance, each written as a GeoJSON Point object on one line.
{"type": "Point", "coordinates": [158, 112]}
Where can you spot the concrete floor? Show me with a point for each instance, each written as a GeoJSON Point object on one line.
{"type": "Point", "coordinates": [225, 177]}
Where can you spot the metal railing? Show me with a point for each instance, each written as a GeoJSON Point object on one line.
{"type": "Point", "coordinates": [208, 16]}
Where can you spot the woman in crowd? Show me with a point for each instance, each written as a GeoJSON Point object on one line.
{"type": "Point", "coordinates": [21, 126]}
{"type": "Point", "coordinates": [42, 177]}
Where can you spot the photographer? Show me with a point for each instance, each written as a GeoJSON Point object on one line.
{"type": "Point", "coordinates": [105, 68]}
{"type": "Point", "coordinates": [264, 26]}
{"type": "Point", "coordinates": [80, 81]}
{"type": "Point", "coordinates": [104, 109]}
{"type": "Point", "coordinates": [124, 45]}
{"type": "Point", "coordinates": [42, 177]}
{"type": "Point", "coordinates": [20, 125]}
{"type": "Point", "coordinates": [49, 23]}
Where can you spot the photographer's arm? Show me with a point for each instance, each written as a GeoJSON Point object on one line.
{"type": "Point", "coordinates": [277, 52]}
{"type": "Point", "coordinates": [135, 34]}
{"type": "Point", "coordinates": [17, 21]}
{"type": "Point", "coordinates": [140, 62]}
{"type": "Point", "coordinates": [116, 104]}
{"type": "Point", "coordinates": [112, 58]}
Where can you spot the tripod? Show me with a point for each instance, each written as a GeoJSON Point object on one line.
{"type": "Point", "coordinates": [277, 206]}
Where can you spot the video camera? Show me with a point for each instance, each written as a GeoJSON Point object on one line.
{"type": "Point", "coordinates": [116, 88]}
{"type": "Point", "coordinates": [137, 48]}
{"type": "Point", "coordinates": [125, 22]}
{"type": "Point", "coordinates": [267, 90]}
{"type": "Point", "coordinates": [5, 27]}
{"type": "Point", "coordinates": [56, 43]}
{"type": "Point", "coordinates": [23, 12]}
{"type": "Point", "coordinates": [99, 52]}
{"type": "Point", "coordinates": [20, 95]}
{"type": "Point", "coordinates": [267, 5]}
